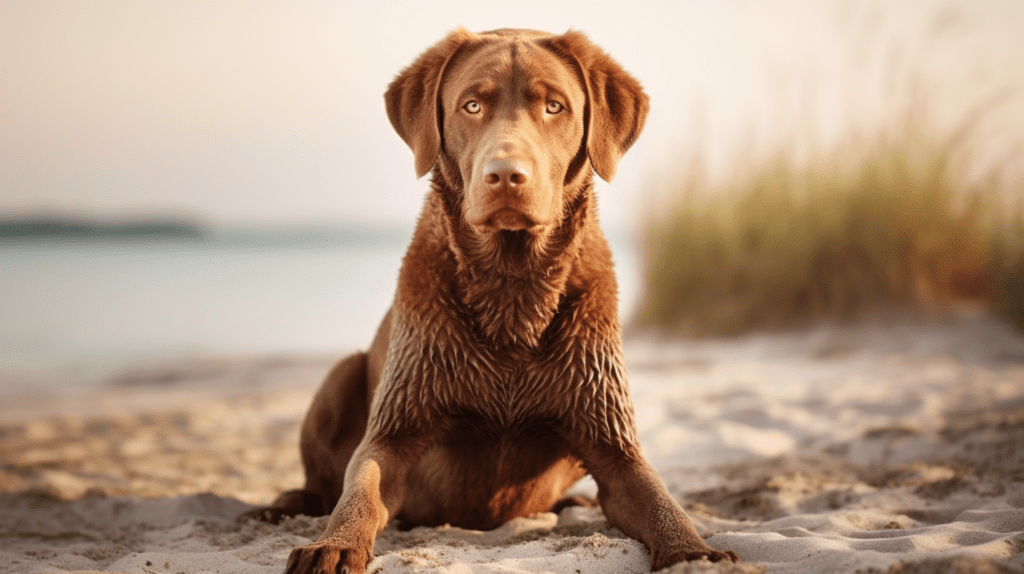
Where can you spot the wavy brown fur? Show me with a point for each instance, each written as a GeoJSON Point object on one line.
{"type": "Point", "coordinates": [496, 379]}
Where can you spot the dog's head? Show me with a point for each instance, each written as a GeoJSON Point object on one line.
{"type": "Point", "coordinates": [514, 118]}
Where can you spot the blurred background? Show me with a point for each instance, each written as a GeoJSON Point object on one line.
{"type": "Point", "coordinates": [183, 179]}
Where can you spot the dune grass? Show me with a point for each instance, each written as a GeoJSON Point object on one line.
{"type": "Point", "coordinates": [865, 227]}
{"type": "Point", "coordinates": [1008, 269]}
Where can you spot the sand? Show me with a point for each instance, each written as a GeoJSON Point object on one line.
{"type": "Point", "coordinates": [893, 448]}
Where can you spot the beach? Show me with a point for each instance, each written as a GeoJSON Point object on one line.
{"type": "Point", "coordinates": [206, 205]}
{"type": "Point", "coordinates": [893, 446]}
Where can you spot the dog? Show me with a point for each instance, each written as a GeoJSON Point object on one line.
{"type": "Point", "coordinates": [496, 379]}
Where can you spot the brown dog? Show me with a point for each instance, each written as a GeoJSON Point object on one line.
{"type": "Point", "coordinates": [496, 380]}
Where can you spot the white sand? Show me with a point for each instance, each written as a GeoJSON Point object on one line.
{"type": "Point", "coordinates": [837, 450]}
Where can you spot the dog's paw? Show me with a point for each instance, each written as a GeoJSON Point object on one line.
{"type": "Point", "coordinates": [327, 558]}
{"type": "Point", "coordinates": [271, 514]}
{"type": "Point", "coordinates": [718, 556]}
{"type": "Point", "coordinates": [704, 553]}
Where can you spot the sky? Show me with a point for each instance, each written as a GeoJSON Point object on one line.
{"type": "Point", "coordinates": [250, 111]}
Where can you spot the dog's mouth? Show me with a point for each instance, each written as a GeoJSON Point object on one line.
{"type": "Point", "coordinates": [506, 219]}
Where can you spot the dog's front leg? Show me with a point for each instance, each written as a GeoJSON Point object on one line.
{"type": "Point", "coordinates": [635, 500]}
{"type": "Point", "coordinates": [375, 482]}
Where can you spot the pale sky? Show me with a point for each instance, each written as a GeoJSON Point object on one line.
{"type": "Point", "coordinates": [273, 111]}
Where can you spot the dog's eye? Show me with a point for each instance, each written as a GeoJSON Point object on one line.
{"type": "Point", "coordinates": [472, 107]}
{"type": "Point", "coordinates": [554, 107]}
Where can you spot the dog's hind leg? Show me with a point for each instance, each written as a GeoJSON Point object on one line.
{"type": "Point", "coordinates": [289, 503]}
{"type": "Point", "coordinates": [331, 431]}
{"type": "Point", "coordinates": [574, 500]}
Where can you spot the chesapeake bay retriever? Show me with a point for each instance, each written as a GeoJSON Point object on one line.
{"type": "Point", "coordinates": [496, 379]}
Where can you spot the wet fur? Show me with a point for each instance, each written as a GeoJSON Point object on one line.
{"type": "Point", "coordinates": [496, 380]}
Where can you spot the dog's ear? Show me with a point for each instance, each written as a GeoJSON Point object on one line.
{"type": "Point", "coordinates": [412, 100]}
{"type": "Point", "coordinates": [617, 105]}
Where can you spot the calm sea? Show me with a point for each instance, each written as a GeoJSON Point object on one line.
{"type": "Point", "coordinates": [78, 305]}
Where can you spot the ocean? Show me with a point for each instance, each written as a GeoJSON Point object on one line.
{"type": "Point", "coordinates": [76, 308]}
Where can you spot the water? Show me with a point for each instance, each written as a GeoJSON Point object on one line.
{"type": "Point", "coordinates": [82, 308]}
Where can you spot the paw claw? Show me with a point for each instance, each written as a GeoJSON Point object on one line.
{"type": "Point", "coordinates": [705, 553]}
{"type": "Point", "coordinates": [324, 558]}
{"type": "Point", "coordinates": [293, 560]}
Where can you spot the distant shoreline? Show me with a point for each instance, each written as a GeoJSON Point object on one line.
{"type": "Point", "coordinates": [315, 234]}
{"type": "Point", "coordinates": [67, 228]}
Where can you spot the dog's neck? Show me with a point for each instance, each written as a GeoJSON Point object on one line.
{"type": "Point", "coordinates": [513, 281]}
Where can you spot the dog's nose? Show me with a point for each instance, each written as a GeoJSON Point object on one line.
{"type": "Point", "coordinates": [501, 173]}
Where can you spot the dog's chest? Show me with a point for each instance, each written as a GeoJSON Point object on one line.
{"type": "Point", "coordinates": [446, 378]}
{"type": "Point", "coordinates": [440, 367]}
{"type": "Point", "coordinates": [500, 393]}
